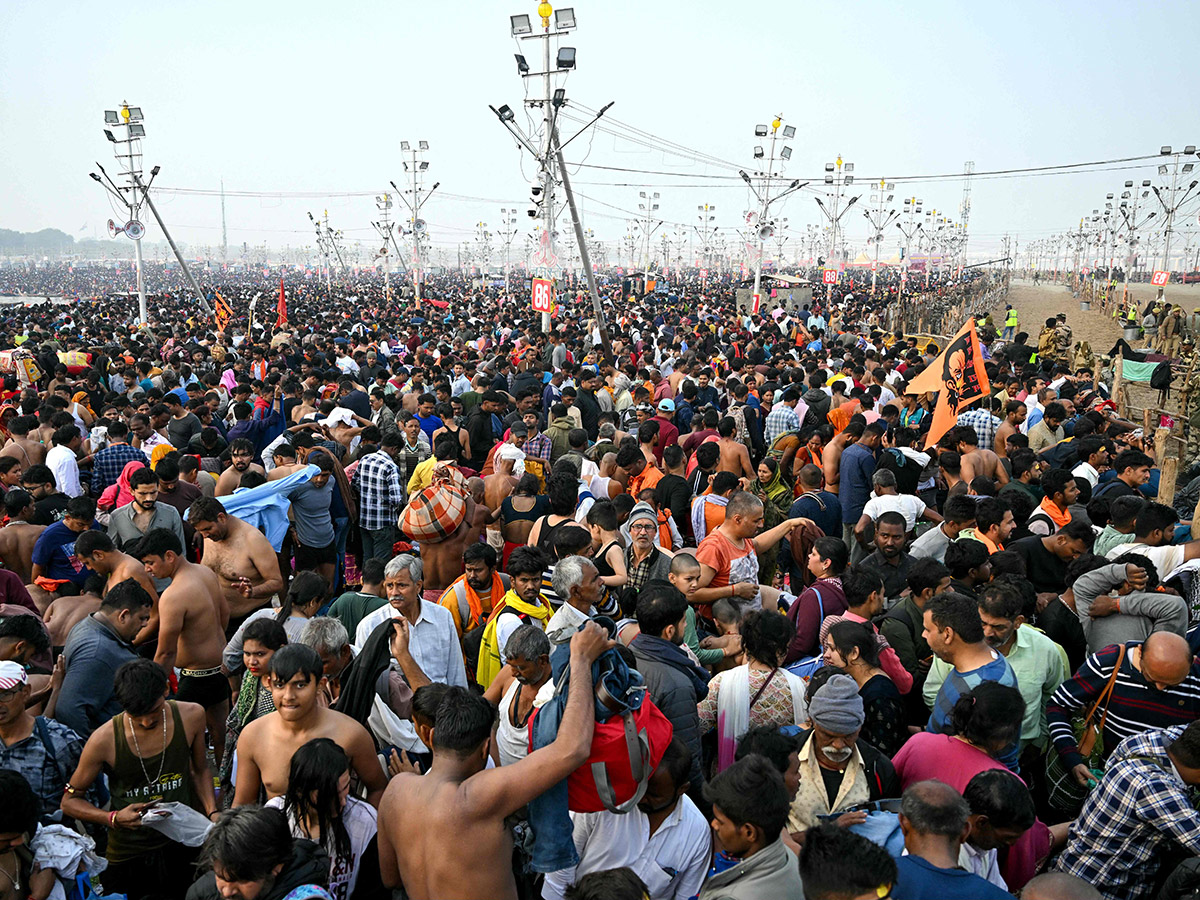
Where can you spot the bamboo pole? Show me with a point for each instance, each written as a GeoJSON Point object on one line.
{"type": "Point", "coordinates": [1168, 472]}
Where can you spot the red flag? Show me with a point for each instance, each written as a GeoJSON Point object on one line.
{"type": "Point", "coordinates": [281, 320]}
{"type": "Point", "coordinates": [957, 377]}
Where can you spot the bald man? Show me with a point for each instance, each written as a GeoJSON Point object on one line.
{"type": "Point", "coordinates": [1157, 686]}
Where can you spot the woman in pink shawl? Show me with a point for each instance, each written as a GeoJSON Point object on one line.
{"type": "Point", "coordinates": [117, 495]}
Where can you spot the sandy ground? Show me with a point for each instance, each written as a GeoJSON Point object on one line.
{"type": "Point", "coordinates": [1036, 303]}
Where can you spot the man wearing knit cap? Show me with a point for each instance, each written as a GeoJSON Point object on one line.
{"type": "Point", "coordinates": [837, 770]}
{"type": "Point", "coordinates": [645, 560]}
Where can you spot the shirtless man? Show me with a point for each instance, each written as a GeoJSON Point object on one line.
{"type": "Point", "coordinates": [831, 456]}
{"type": "Point", "coordinates": [241, 459]}
{"type": "Point", "coordinates": [443, 559]}
{"type": "Point", "coordinates": [244, 560]}
{"type": "Point", "coordinates": [1014, 415]}
{"type": "Point", "coordinates": [459, 798]}
{"type": "Point", "coordinates": [499, 484]}
{"type": "Point", "coordinates": [20, 446]}
{"type": "Point", "coordinates": [192, 615]}
{"type": "Point", "coordinates": [265, 747]}
{"type": "Point", "coordinates": [977, 462]}
{"type": "Point", "coordinates": [96, 550]}
{"type": "Point", "coordinates": [19, 535]}
{"type": "Point", "coordinates": [483, 513]}
{"type": "Point", "coordinates": [735, 457]}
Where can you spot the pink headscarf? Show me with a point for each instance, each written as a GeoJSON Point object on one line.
{"type": "Point", "coordinates": [117, 495]}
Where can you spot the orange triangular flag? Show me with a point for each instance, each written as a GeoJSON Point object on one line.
{"type": "Point", "coordinates": [957, 377]}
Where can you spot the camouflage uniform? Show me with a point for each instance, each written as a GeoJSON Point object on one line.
{"type": "Point", "coordinates": [1062, 339]}
{"type": "Point", "coordinates": [1190, 359]}
{"type": "Point", "coordinates": [1047, 346]}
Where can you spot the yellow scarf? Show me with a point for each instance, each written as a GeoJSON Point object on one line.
{"type": "Point", "coordinates": [489, 648]}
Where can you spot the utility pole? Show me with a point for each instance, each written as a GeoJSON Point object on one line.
{"type": "Point", "coordinates": [880, 218]}
{"type": "Point", "coordinates": [1177, 195]}
{"type": "Point", "coordinates": [838, 175]}
{"type": "Point", "coordinates": [128, 152]}
{"type": "Point", "coordinates": [548, 152]}
{"type": "Point", "coordinates": [417, 198]}
{"type": "Point", "coordinates": [224, 236]}
{"type": "Point", "coordinates": [508, 231]}
{"type": "Point", "coordinates": [964, 210]}
{"type": "Point", "coordinates": [912, 206]}
{"type": "Point", "coordinates": [383, 202]}
{"type": "Point", "coordinates": [764, 226]}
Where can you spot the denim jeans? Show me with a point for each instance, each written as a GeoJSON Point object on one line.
{"type": "Point", "coordinates": [377, 543]}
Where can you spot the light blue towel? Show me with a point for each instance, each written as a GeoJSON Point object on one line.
{"type": "Point", "coordinates": [266, 506]}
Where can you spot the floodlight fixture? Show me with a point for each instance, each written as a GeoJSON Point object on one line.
{"type": "Point", "coordinates": [1187, 168]}
{"type": "Point", "coordinates": [828, 167]}
{"type": "Point", "coordinates": [829, 179]}
{"type": "Point", "coordinates": [424, 165]}
{"type": "Point", "coordinates": [789, 132]}
{"type": "Point", "coordinates": [560, 97]}
{"type": "Point", "coordinates": [135, 114]}
{"type": "Point", "coordinates": [786, 153]}
{"type": "Point", "coordinates": [1146, 182]}
{"type": "Point", "coordinates": [520, 25]}
{"type": "Point", "coordinates": [108, 134]}
{"type": "Point", "coordinates": [849, 179]}
{"type": "Point", "coordinates": [111, 117]}
{"type": "Point", "coordinates": [1189, 149]}
{"type": "Point", "coordinates": [1165, 150]}
{"type": "Point", "coordinates": [137, 131]}
{"type": "Point", "coordinates": [565, 58]}
{"type": "Point", "coordinates": [760, 130]}
{"type": "Point", "coordinates": [564, 19]}
{"type": "Point", "coordinates": [505, 113]}
{"type": "Point", "coordinates": [422, 145]}
{"type": "Point", "coordinates": [1162, 170]}
{"type": "Point", "coordinates": [404, 146]}
{"type": "Point", "coordinates": [758, 152]}
{"type": "Point", "coordinates": [849, 167]}
{"type": "Point", "coordinates": [522, 64]}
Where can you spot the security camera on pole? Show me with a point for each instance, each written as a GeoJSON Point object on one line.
{"type": "Point", "coordinates": [128, 151]}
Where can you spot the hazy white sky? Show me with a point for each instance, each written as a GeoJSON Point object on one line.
{"type": "Point", "coordinates": [316, 97]}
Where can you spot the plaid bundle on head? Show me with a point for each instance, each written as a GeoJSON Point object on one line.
{"type": "Point", "coordinates": [12, 675]}
{"type": "Point", "coordinates": [436, 512]}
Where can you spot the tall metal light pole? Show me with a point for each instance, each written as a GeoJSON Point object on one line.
{"type": "Point", "coordinates": [838, 175]}
{"type": "Point", "coordinates": [648, 207]}
{"type": "Point", "coordinates": [508, 231]}
{"type": "Point", "coordinates": [416, 198]}
{"type": "Point", "coordinates": [1176, 195]}
{"type": "Point", "coordinates": [135, 193]}
{"type": "Point", "coordinates": [383, 202]}
{"type": "Point", "coordinates": [764, 227]}
{"type": "Point", "coordinates": [880, 218]}
{"type": "Point", "coordinates": [1128, 207]}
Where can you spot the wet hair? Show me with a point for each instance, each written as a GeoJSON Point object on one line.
{"type": "Point", "coordinates": [295, 659]}
{"type": "Point", "coordinates": [312, 793]}
{"type": "Point", "coordinates": [751, 791]}
{"type": "Point", "coordinates": [126, 595]}
{"type": "Point", "coordinates": [526, 560]}
{"type": "Point", "coordinates": [265, 631]}
{"type": "Point", "coordinates": [157, 542]}
{"type": "Point", "coordinates": [463, 723]}
{"type": "Point", "coordinates": [247, 843]}
{"type": "Point", "coordinates": [15, 501]}
{"type": "Point", "coordinates": [138, 685]}
{"type": "Point", "coordinates": [25, 628]}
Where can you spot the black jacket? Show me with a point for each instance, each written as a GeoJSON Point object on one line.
{"type": "Point", "coordinates": [674, 693]}
{"type": "Point", "coordinates": [309, 865]}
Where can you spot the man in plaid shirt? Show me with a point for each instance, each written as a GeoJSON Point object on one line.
{"type": "Point", "coordinates": [984, 423]}
{"type": "Point", "coordinates": [380, 498]}
{"type": "Point", "coordinates": [1141, 807]}
{"type": "Point", "coordinates": [108, 464]}
{"type": "Point", "coordinates": [782, 418]}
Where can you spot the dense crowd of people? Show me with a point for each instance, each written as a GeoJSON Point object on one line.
{"type": "Point", "coordinates": [355, 594]}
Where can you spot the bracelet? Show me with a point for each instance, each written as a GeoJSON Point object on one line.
{"type": "Point", "coordinates": [71, 790]}
{"type": "Point", "coordinates": [1118, 599]}
{"type": "Point", "coordinates": [112, 819]}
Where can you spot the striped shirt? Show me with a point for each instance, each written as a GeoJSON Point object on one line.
{"type": "Point", "coordinates": [1135, 706]}
{"type": "Point", "coordinates": [958, 683]}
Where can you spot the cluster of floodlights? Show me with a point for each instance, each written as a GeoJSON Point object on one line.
{"type": "Point", "coordinates": [128, 116]}
{"type": "Point", "coordinates": [789, 132]}
{"type": "Point", "coordinates": [564, 20]}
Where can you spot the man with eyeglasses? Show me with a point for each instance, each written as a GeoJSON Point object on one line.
{"type": "Point", "coordinates": [645, 560]}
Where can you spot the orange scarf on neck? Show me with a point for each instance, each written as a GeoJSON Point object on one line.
{"type": "Point", "coordinates": [1059, 517]}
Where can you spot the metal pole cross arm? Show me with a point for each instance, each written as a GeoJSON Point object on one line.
{"type": "Point", "coordinates": [179, 256]}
